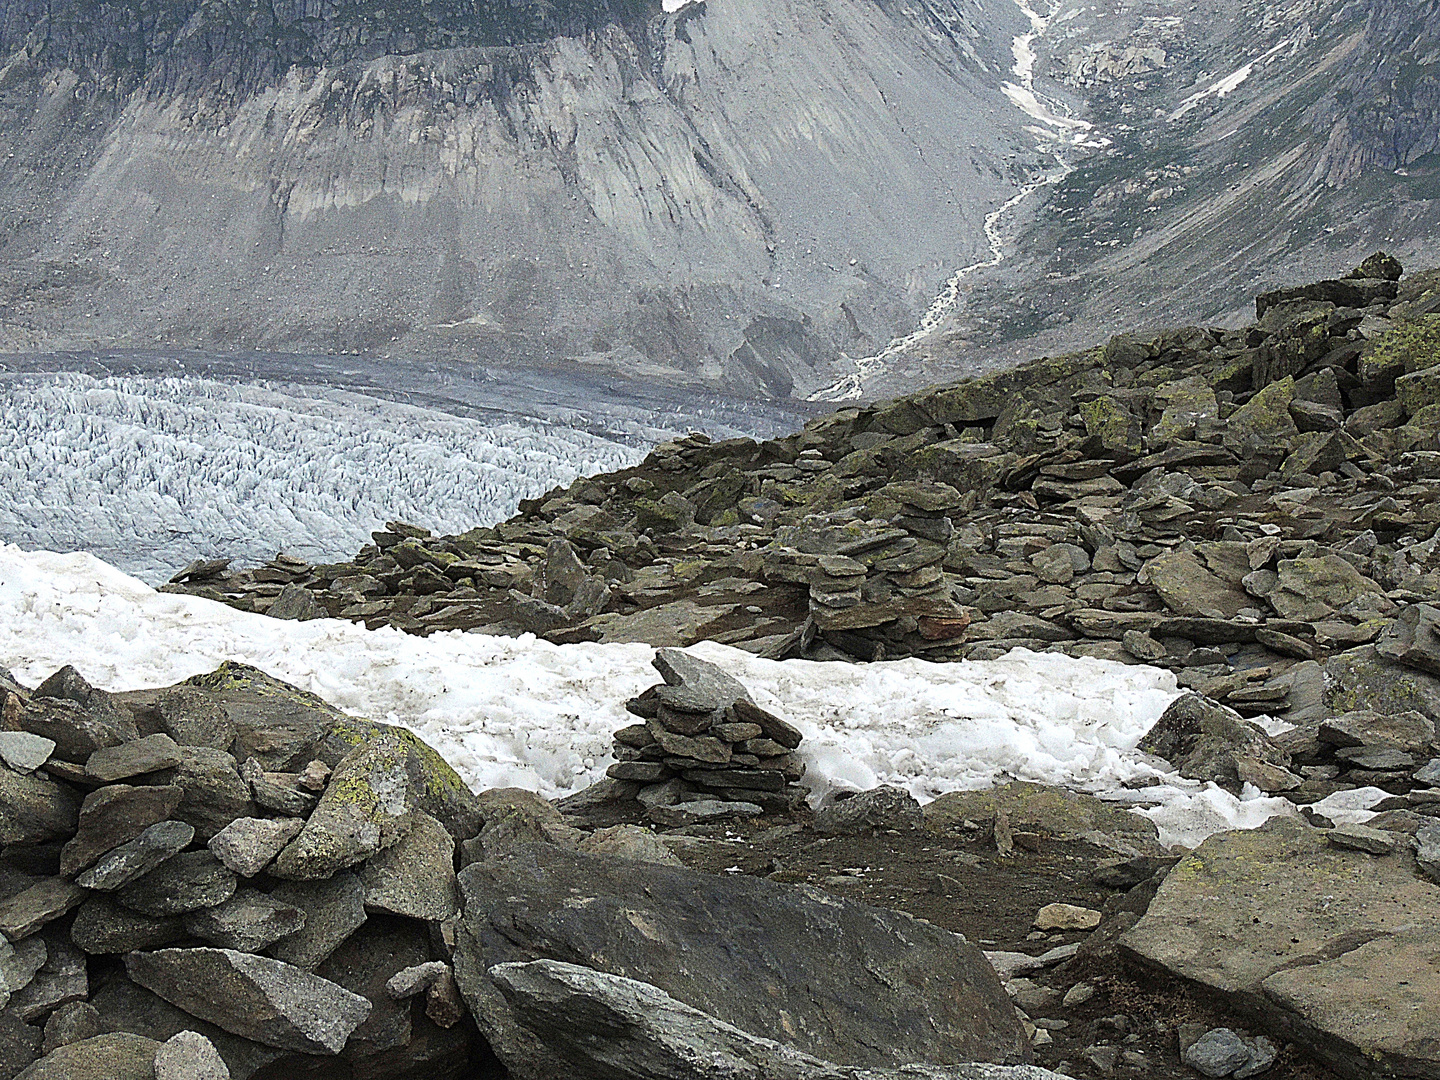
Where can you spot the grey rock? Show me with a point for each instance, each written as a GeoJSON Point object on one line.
{"type": "Point", "coordinates": [629, 842]}
{"type": "Point", "coordinates": [20, 1045]}
{"type": "Point", "coordinates": [694, 685]}
{"type": "Point", "coordinates": [1409, 731]}
{"type": "Point", "coordinates": [782, 732]}
{"type": "Point", "coordinates": [192, 717]}
{"type": "Point", "coordinates": [1428, 773]}
{"type": "Point", "coordinates": [213, 794]}
{"type": "Point", "coordinates": [103, 926]}
{"type": "Point", "coordinates": [1363, 680]}
{"type": "Point", "coordinates": [368, 806]}
{"type": "Point", "coordinates": [113, 1056]}
{"type": "Point", "coordinates": [410, 981]}
{"type": "Point", "coordinates": [611, 1025]}
{"type": "Point", "coordinates": [266, 1000]}
{"type": "Point", "coordinates": [61, 979]}
{"type": "Point", "coordinates": [559, 574]}
{"type": "Point", "coordinates": [114, 815]}
{"type": "Point", "coordinates": [1206, 741]}
{"type": "Point", "coordinates": [132, 860]}
{"type": "Point", "coordinates": [23, 751]}
{"type": "Point", "coordinates": [276, 724]}
{"type": "Point", "coordinates": [363, 964]}
{"type": "Point", "coordinates": [415, 877]}
{"type": "Point", "coordinates": [1332, 982]}
{"type": "Point", "coordinates": [185, 883]}
{"type": "Point", "coordinates": [72, 1022]}
{"type": "Point", "coordinates": [295, 602]}
{"type": "Point", "coordinates": [883, 807]}
{"type": "Point", "coordinates": [1219, 1052]}
{"type": "Point", "coordinates": [1362, 838]}
{"type": "Point", "coordinates": [247, 845]}
{"type": "Point", "coordinates": [701, 811]}
{"type": "Point", "coordinates": [248, 921]}
{"type": "Point", "coordinates": [278, 792]}
{"type": "Point", "coordinates": [190, 1056]}
{"type": "Point", "coordinates": [1413, 638]}
{"type": "Point", "coordinates": [35, 809]}
{"type": "Point", "coordinates": [28, 910]}
{"type": "Point", "coordinates": [20, 963]}
{"type": "Point", "coordinates": [1427, 851]}
{"type": "Point", "coordinates": [1142, 646]}
{"type": "Point", "coordinates": [675, 927]}
{"type": "Point", "coordinates": [1376, 757]}
{"type": "Point", "coordinates": [76, 716]}
{"type": "Point", "coordinates": [136, 758]}
{"type": "Point", "coordinates": [334, 909]}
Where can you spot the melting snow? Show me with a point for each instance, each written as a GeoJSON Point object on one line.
{"type": "Point", "coordinates": [524, 712]}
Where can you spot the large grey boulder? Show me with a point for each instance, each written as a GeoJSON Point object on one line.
{"type": "Point", "coordinates": [103, 926]}
{"type": "Point", "coordinates": [610, 1026]}
{"type": "Point", "coordinates": [43, 902]}
{"type": "Point", "coordinates": [883, 807]}
{"type": "Point", "coordinates": [113, 1056]}
{"type": "Point", "coordinates": [135, 758]}
{"type": "Point", "coordinates": [127, 862]}
{"type": "Point", "coordinates": [247, 844]}
{"type": "Point", "coordinates": [185, 883]}
{"type": "Point", "coordinates": [190, 1056]}
{"type": "Point", "coordinates": [855, 984]}
{"type": "Point", "coordinates": [114, 815]}
{"type": "Point", "coordinates": [334, 909]}
{"type": "Point", "coordinates": [693, 685]}
{"type": "Point", "coordinates": [35, 809]}
{"type": "Point", "coordinates": [1413, 638]}
{"type": "Point", "coordinates": [1364, 680]}
{"type": "Point", "coordinates": [416, 877]}
{"type": "Point", "coordinates": [1206, 741]}
{"type": "Point", "coordinates": [1332, 947]}
{"type": "Point", "coordinates": [77, 717]}
{"type": "Point", "coordinates": [271, 1002]}
{"type": "Point", "coordinates": [248, 921]}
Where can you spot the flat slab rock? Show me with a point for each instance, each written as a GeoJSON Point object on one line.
{"type": "Point", "coordinates": [848, 983]}
{"type": "Point", "coordinates": [616, 1026]}
{"type": "Point", "coordinates": [1333, 948]}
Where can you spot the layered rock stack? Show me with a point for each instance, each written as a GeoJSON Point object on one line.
{"type": "Point", "coordinates": [705, 749]}
{"type": "Point", "coordinates": [223, 878]}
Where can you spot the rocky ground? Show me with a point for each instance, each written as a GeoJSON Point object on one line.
{"type": "Point", "coordinates": [1252, 509]}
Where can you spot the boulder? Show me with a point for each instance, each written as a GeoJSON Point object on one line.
{"type": "Point", "coordinates": [62, 978]}
{"type": "Point", "coordinates": [1362, 680]}
{"type": "Point", "coordinates": [334, 909]}
{"type": "Point", "coordinates": [24, 752]}
{"type": "Point", "coordinates": [114, 815]}
{"type": "Point", "coordinates": [1413, 638]}
{"type": "Point", "coordinates": [31, 908]}
{"type": "Point", "coordinates": [190, 1056]}
{"type": "Point", "coordinates": [182, 884]}
{"type": "Point", "coordinates": [1053, 811]}
{"type": "Point", "coordinates": [1407, 731]}
{"type": "Point", "coordinates": [271, 1002]}
{"type": "Point", "coordinates": [103, 926]}
{"type": "Point", "coordinates": [275, 723]}
{"type": "Point", "coordinates": [1328, 945]}
{"type": "Point", "coordinates": [147, 755]}
{"type": "Point", "coordinates": [609, 1025]}
{"type": "Point", "coordinates": [113, 1056]}
{"type": "Point", "coordinates": [247, 845]}
{"type": "Point", "coordinates": [416, 877]}
{"type": "Point", "coordinates": [1207, 741]}
{"type": "Point", "coordinates": [192, 717]}
{"type": "Point", "coordinates": [629, 842]}
{"type": "Point", "coordinates": [1264, 421]}
{"type": "Point", "coordinates": [693, 685]}
{"type": "Point", "coordinates": [71, 1023]}
{"type": "Point", "coordinates": [78, 718]}
{"type": "Point", "coordinates": [213, 793]}
{"type": "Point", "coordinates": [137, 858]}
{"type": "Point", "coordinates": [883, 807]}
{"type": "Point", "coordinates": [33, 808]}
{"type": "Point", "coordinates": [1314, 588]}
{"type": "Point", "coordinates": [249, 921]}
{"type": "Point", "coordinates": [368, 806]}
{"type": "Point", "coordinates": [1188, 588]}
{"type": "Point", "coordinates": [907, 991]}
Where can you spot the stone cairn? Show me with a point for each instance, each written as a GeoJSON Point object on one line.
{"type": "Point", "coordinates": [225, 878]}
{"type": "Point", "coordinates": [706, 750]}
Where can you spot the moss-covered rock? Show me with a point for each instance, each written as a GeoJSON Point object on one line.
{"type": "Point", "coordinates": [275, 723]}
{"type": "Point", "coordinates": [1114, 425]}
{"type": "Point", "coordinates": [1313, 588]}
{"type": "Point", "coordinates": [1264, 421]}
{"type": "Point", "coordinates": [1184, 403]}
{"type": "Point", "coordinates": [1419, 389]}
{"type": "Point", "coordinates": [1054, 811]}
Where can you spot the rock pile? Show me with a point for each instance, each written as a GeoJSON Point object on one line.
{"type": "Point", "coordinates": [225, 878]}
{"type": "Point", "coordinates": [1246, 507]}
{"type": "Point", "coordinates": [706, 750]}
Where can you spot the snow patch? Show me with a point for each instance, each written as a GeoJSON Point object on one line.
{"type": "Point", "coordinates": [523, 712]}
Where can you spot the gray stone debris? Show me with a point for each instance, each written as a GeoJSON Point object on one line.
{"type": "Point", "coordinates": [415, 877]}
{"type": "Point", "coordinates": [880, 808]}
{"type": "Point", "coordinates": [334, 909]}
{"type": "Point", "coordinates": [23, 751]}
{"type": "Point", "coordinates": [247, 845]}
{"type": "Point", "coordinates": [248, 921]}
{"type": "Point", "coordinates": [30, 909]}
{"type": "Point", "coordinates": [147, 755]}
{"type": "Point", "coordinates": [187, 882]}
{"type": "Point", "coordinates": [415, 980]}
{"type": "Point", "coordinates": [112, 1056]}
{"type": "Point", "coordinates": [1362, 838]}
{"type": "Point", "coordinates": [132, 860]}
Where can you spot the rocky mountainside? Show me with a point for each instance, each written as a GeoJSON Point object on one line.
{"type": "Point", "coordinates": [739, 194]}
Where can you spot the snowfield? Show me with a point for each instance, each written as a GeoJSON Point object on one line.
{"type": "Point", "coordinates": [527, 713]}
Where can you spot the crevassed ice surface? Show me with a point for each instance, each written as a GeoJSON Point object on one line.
{"type": "Point", "coordinates": [523, 712]}
{"type": "Point", "coordinates": [149, 473]}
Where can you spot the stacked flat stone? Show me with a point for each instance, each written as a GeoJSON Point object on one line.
{"type": "Point", "coordinates": [271, 871]}
{"type": "Point", "coordinates": [704, 740]}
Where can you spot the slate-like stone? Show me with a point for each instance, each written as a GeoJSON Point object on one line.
{"type": "Point", "coordinates": [883, 807]}
{"type": "Point", "coordinates": [275, 723]}
{"type": "Point", "coordinates": [615, 1026]}
{"type": "Point", "coordinates": [410, 981]}
{"type": "Point", "coordinates": [416, 877]}
{"type": "Point", "coordinates": [28, 910]}
{"type": "Point", "coordinates": [113, 1056]}
{"type": "Point", "coordinates": [247, 845]}
{"type": "Point", "coordinates": [368, 806]}
{"type": "Point", "coordinates": [334, 909]}
{"type": "Point", "coordinates": [103, 926]}
{"type": "Point", "coordinates": [138, 857]}
{"type": "Point", "coordinates": [774, 728]}
{"type": "Point", "coordinates": [77, 717]}
{"type": "Point", "coordinates": [695, 685]}
{"type": "Point", "coordinates": [23, 751]}
{"type": "Point", "coordinates": [1413, 638]}
{"type": "Point", "coordinates": [1363, 680]}
{"type": "Point", "coordinates": [1053, 811]}
{"type": "Point", "coordinates": [20, 1045]}
{"type": "Point", "coordinates": [20, 963]}
{"type": "Point", "coordinates": [61, 979]}
{"type": "Point", "coordinates": [1206, 741]}
{"type": "Point", "coordinates": [908, 991]}
{"type": "Point", "coordinates": [1253, 915]}
{"type": "Point", "coordinates": [114, 815]}
{"type": "Point", "coordinates": [71, 1023]}
{"type": "Point", "coordinates": [190, 1056]}
{"type": "Point", "coordinates": [213, 792]}
{"type": "Point", "coordinates": [1407, 731]}
{"type": "Point", "coordinates": [249, 921]}
{"type": "Point", "coordinates": [136, 758]}
{"type": "Point", "coordinates": [184, 883]}
{"type": "Point", "coordinates": [253, 996]}
{"type": "Point", "coordinates": [35, 809]}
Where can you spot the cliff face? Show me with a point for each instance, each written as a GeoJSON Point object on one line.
{"type": "Point", "coordinates": [729, 193]}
